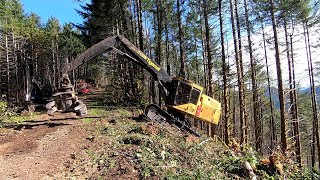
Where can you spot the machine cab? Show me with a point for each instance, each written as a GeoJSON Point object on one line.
{"type": "Point", "coordinates": [188, 98]}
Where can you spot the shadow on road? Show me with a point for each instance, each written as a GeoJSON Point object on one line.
{"type": "Point", "coordinates": [19, 127]}
{"type": "Point", "coordinates": [34, 123]}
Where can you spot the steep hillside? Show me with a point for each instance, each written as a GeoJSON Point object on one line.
{"type": "Point", "coordinates": [119, 144]}
{"type": "Point", "coordinates": [123, 146]}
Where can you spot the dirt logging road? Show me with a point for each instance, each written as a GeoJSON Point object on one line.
{"type": "Point", "coordinates": [108, 143]}
{"type": "Point", "coordinates": [43, 148]}
{"type": "Point", "coordinates": [40, 150]}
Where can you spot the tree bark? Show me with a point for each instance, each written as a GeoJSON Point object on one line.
{"type": "Point", "coordinates": [315, 127]}
{"type": "Point", "coordinates": [292, 94]}
{"type": "Point", "coordinates": [166, 30]}
{"type": "Point", "coordinates": [272, 121]}
{"type": "Point", "coordinates": [182, 72]}
{"type": "Point", "coordinates": [296, 131]}
{"type": "Point", "coordinates": [257, 122]}
{"type": "Point", "coordinates": [140, 27]}
{"type": "Point", "coordinates": [159, 40]}
{"type": "Point", "coordinates": [279, 75]}
{"type": "Point", "coordinates": [225, 71]}
{"type": "Point", "coordinates": [243, 127]}
{"type": "Point", "coordinates": [208, 48]}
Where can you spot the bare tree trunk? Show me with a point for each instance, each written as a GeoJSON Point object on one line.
{"type": "Point", "coordinates": [53, 63]}
{"type": "Point", "coordinates": [209, 57]}
{"type": "Point", "coordinates": [279, 75]}
{"type": "Point", "coordinates": [159, 39]}
{"type": "Point", "coordinates": [140, 27]}
{"type": "Point", "coordinates": [197, 62]}
{"type": "Point", "coordinates": [315, 131]}
{"type": "Point", "coordinates": [272, 121]}
{"type": "Point", "coordinates": [167, 42]}
{"type": "Point", "coordinates": [134, 12]}
{"type": "Point", "coordinates": [204, 57]}
{"type": "Point", "coordinates": [57, 60]}
{"type": "Point", "coordinates": [225, 71]}
{"type": "Point", "coordinates": [257, 122]}
{"type": "Point", "coordinates": [152, 93]}
{"type": "Point", "coordinates": [293, 105]}
{"type": "Point", "coordinates": [141, 47]}
{"type": "Point", "coordinates": [182, 72]}
{"type": "Point", "coordinates": [243, 115]}
{"type": "Point", "coordinates": [208, 48]}
{"type": "Point", "coordinates": [243, 127]}
{"type": "Point", "coordinates": [7, 63]}
{"type": "Point", "coordinates": [296, 128]}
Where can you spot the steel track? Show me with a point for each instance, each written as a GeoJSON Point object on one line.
{"type": "Point", "coordinates": [156, 114]}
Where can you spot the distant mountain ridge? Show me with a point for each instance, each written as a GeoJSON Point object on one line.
{"type": "Point", "coordinates": [275, 94]}
{"type": "Point", "coordinates": [308, 90]}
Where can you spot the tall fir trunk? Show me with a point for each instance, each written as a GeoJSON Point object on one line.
{"type": "Point", "coordinates": [243, 127]}
{"type": "Point", "coordinates": [159, 31]}
{"type": "Point", "coordinates": [296, 128]}
{"type": "Point", "coordinates": [7, 63]}
{"type": "Point", "coordinates": [134, 26]}
{"type": "Point", "coordinates": [204, 56]}
{"type": "Point", "coordinates": [225, 71]}
{"type": "Point", "coordinates": [58, 60]}
{"type": "Point", "coordinates": [209, 57]}
{"type": "Point", "coordinates": [53, 64]}
{"type": "Point", "coordinates": [280, 83]}
{"type": "Point", "coordinates": [257, 122]}
{"type": "Point", "coordinates": [166, 30]}
{"type": "Point", "coordinates": [292, 94]}
{"type": "Point", "coordinates": [159, 39]}
{"type": "Point", "coordinates": [234, 117]}
{"type": "Point", "coordinates": [197, 62]}
{"type": "Point", "coordinates": [140, 27]}
{"type": "Point", "coordinates": [208, 49]}
{"type": "Point", "coordinates": [315, 127]}
{"type": "Point", "coordinates": [201, 123]}
{"type": "Point", "coordinates": [182, 72]}
{"type": "Point", "coordinates": [141, 47]}
{"type": "Point", "coordinates": [203, 47]}
{"type": "Point", "coordinates": [243, 118]}
{"type": "Point", "coordinates": [152, 91]}
{"type": "Point", "coordinates": [272, 121]}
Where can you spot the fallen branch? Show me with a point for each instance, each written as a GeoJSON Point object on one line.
{"type": "Point", "coordinates": [249, 170]}
{"type": "Point", "coordinates": [209, 139]}
{"type": "Point", "coordinates": [205, 141]}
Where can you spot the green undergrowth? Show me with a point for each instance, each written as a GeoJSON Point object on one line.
{"type": "Point", "coordinates": [16, 118]}
{"type": "Point", "coordinates": [5, 111]}
{"type": "Point", "coordinates": [13, 117]}
{"type": "Point", "coordinates": [117, 113]}
{"type": "Point", "coordinates": [152, 151]}
{"type": "Point", "coordinates": [124, 147]}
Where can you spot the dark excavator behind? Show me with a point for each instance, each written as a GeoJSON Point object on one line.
{"type": "Point", "coordinates": [181, 97]}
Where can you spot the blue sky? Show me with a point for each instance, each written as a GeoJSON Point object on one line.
{"type": "Point", "coordinates": [63, 10]}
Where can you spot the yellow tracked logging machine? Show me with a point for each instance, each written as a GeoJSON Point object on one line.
{"type": "Point", "coordinates": [182, 97]}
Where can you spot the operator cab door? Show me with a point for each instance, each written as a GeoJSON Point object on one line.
{"type": "Point", "coordinates": [185, 96]}
{"type": "Point", "coordinates": [188, 98]}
